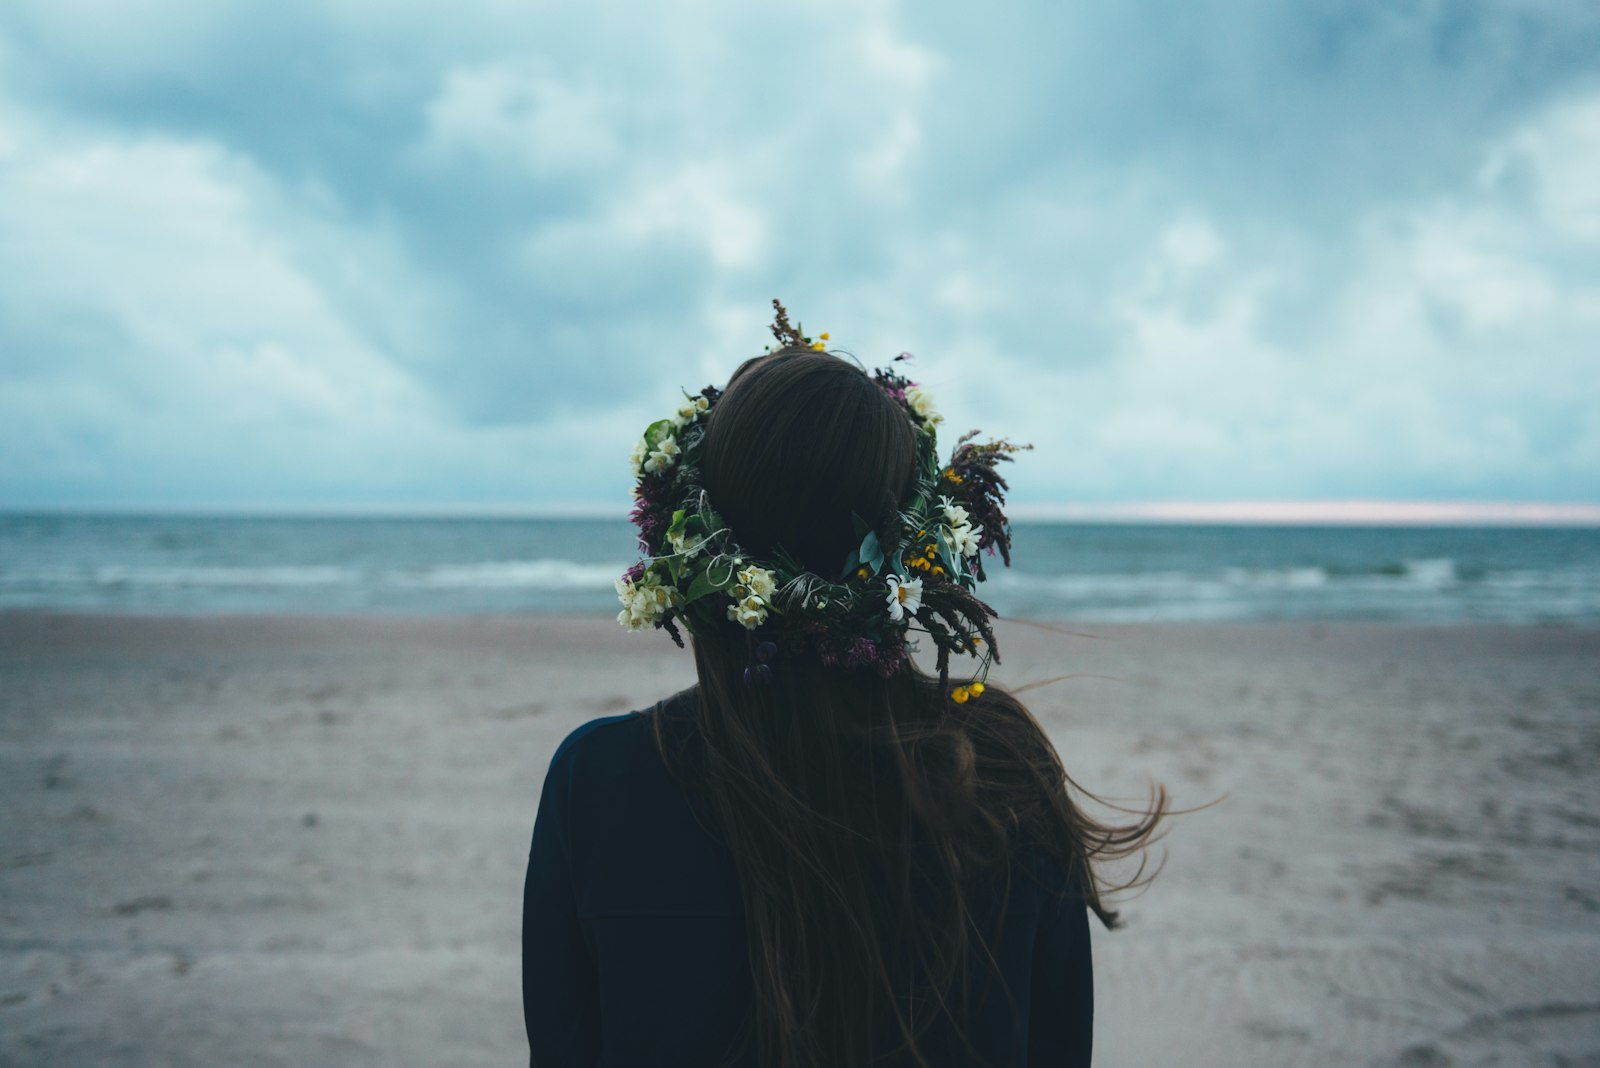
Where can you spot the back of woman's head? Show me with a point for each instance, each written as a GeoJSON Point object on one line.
{"type": "Point", "coordinates": [863, 811]}
{"type": "Point", "coordinates": [799, 443]}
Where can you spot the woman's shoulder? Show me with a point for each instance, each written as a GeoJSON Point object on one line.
{"type": "Point", "coordinates": [602, 733]}
{"type": "Point", "coordinates": [615, 744]}
{"type": "Point", "coordinates": [630, 829]}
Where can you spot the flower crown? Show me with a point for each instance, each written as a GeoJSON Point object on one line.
{"type": "Point", "coordinates": [918, 572]}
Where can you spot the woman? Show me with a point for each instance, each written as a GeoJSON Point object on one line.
{"type": "Point", "coordinates": [819, 855]}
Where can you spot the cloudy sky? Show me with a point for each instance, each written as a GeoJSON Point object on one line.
{"type": "Point", "coordinates": [368, 254]}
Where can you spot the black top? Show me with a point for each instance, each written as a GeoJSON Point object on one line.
{"type": "Point", "coordinates": [633, 947]}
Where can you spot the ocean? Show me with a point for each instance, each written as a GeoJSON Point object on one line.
{"type": "Point", "coordinates": [170, 565]}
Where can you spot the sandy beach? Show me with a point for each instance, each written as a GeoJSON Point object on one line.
{"type": "Point", "coordinates": [300, 841]}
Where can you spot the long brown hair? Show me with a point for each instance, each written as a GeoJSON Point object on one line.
{"type": "Point", "coordinates": [861, 813]}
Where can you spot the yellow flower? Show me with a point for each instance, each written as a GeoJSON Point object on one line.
{"type": "Point", "coordinates": [976, 689]}
{"type": "Point", "coordinates": [819, 346]}
{"type": "Point", "coordinates": [823, 336]}
{"type": "Point", "coordinates": [959, 695]}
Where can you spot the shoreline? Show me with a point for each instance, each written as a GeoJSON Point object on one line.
{"type": "Point", "coordinates": [1069, 625]}
{"type": "Point", "coordinates": [275, 839]}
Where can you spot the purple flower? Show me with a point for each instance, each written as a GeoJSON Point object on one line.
{"type": "Point", "coordinates": [651, 526]}
{"type": "Point", "coordinates": [862, 654]}
{"type": "Point", "coordinates": [885, 657]}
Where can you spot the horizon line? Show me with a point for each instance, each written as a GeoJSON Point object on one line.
{"type": "Point", "coordinates": [1363, 512]}
{"type": "Point", "coordinates": [1352, 512]}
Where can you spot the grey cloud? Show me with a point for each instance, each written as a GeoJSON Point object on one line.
{"type": "Point", "coordinates": [536, 215]}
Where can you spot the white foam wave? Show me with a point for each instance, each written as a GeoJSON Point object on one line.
{"type": "Point", "coordinates": [1436, 573]}
{"type": "Point", "coordinates": [502, 574]}
{"type": "Point", "coordinates": [1163, 584]}
{"type": "Point", "coordinates": [1411, 575]}
{"type": "Point", "coordinates": [1091, 585]}
{"type": "Point", "coordinates": [1575, 579]}
{"type": "Point", "coordinates": [513, 574]}
{"type": "Point", "coordinates": [274, 575]}
{"type": "Point", "coordinates": [1285, 578]}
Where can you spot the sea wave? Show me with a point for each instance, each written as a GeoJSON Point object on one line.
{"type": "Point", "coordinates": [1435, 573]}
{"type": "Point", "coordinates": [513, 574]}
{"type": "Point", "coordinates": [500, 574]}
{"type": "Point", "coordinates": [181, 577]}
{"type": "Point", "coordinates": [169, 564]}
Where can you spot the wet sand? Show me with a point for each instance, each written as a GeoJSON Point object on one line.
{"type": "Point", "coordinates": [296, 841]}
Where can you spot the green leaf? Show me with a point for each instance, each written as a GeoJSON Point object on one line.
{"type": "Point", "coordinates": [851, 562]}
{"type": "Point", "coordinates": [947, 556]}
{"type": "Point", "coordinates": [705, 584]}
{"type": "Point", "coordinates": [860, 526]}
{"type": "Point", "coordinates": [871, 552]}
{"type": "Point", "coordinates": [658, 431]}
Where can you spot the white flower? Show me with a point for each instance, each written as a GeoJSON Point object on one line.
{"type": "Point", "coordinates": [954, 514]}
{"type": "Point", "coordinates": [752, 596]}
{"type": "Point", "coordinates": [635, 614]}
{"type": "Point", "coordinates": [759, 582]}
{"type": "Point", "coordinates": [963, 535]}
{"type": "Point", "coordinates": [684, 544]}
{"type": "Point", "coordinates": [905, 595]}
{"type": "Point", "coordinates": [965, 539]}
{"type": "Point", "coordinates": [690, 410]}
{"type": "Point", "coordinates": [637, 457]}
{"type": "Point", "coordinates": [921, 402]}
{"type": "Point", "coordinates": [664, 456]}
{"type": "Point", "coordinates": [643, 602]}
{"type": "Point", "coordinates": [749, 613]}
